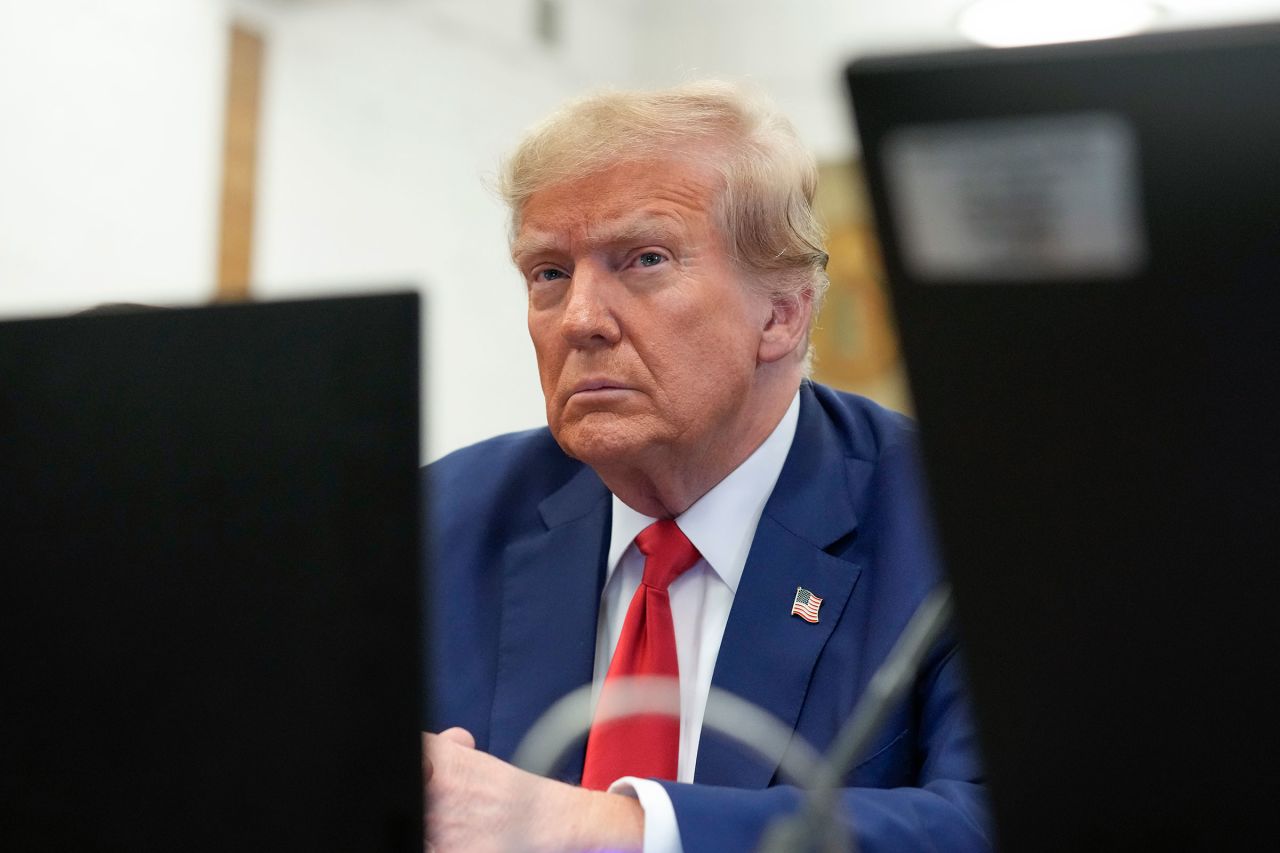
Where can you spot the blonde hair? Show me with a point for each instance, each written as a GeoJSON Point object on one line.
{"type": "Point", "coordinates": [765, 206]}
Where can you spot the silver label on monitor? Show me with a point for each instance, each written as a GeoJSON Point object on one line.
{"type": "Point", "coordinates": [1027, 199]}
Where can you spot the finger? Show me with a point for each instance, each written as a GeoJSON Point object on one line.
{"type": "Point", "coordinates": [426, 762]}
{"type": "Point", "coordinates": [460, 736]}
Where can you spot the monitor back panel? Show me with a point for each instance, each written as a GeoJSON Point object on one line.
{"type": "Point", "coordinates": [1083, 248]}
{"type": "Point", "coordinates": [210, 617]}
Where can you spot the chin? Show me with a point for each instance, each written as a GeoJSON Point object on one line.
{"type": "Point", "coordinates": [602, 439]}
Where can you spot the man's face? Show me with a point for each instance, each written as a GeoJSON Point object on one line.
{"type": "Point", "coordinates": [647, 337]}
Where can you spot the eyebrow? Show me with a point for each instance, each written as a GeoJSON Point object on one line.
{"type": "Point", "coordinates": [646, 225]}
{"type": "Point", "coordinates": [538, 244]}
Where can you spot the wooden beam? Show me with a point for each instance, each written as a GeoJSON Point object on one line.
{"type": "Point", "coordinates": [239, 163]}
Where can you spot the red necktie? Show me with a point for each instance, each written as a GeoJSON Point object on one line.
{"type": "Point", "coordinates": [646, 745]}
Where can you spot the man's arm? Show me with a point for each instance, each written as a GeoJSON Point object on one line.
{"type": "Point", "coordinates": [481, 802]}
{"type": "Point", "coordinates": [478, 803]}
{"type": "Point", "coordinates": [940, 816]}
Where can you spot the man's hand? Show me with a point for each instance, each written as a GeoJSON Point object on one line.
{"type": "Point", "coordinates": [476, 802]}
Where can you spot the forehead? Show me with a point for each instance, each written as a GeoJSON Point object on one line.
{"type": "Point", "coordinates": [632, 199]}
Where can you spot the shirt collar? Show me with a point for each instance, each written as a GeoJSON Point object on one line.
{"type": "Point", "coordinates": [722, 523]}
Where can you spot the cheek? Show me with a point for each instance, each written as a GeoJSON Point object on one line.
{"type": "Point", "coordinates": [728, 342]}
{"type": "Point", "coordinates": [707, 365]}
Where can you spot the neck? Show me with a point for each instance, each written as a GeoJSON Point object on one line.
{"type": "Point", "coordinates": [667, 481]}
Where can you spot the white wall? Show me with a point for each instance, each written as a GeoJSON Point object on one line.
{"type": "Point", "coordinates": [110, 117]}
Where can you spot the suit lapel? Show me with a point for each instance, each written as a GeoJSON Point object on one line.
{"type": "Point", "coordinates": [767, 655]}
{"type": "Point", "coordinates": [550, 599]}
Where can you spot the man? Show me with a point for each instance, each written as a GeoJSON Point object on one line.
{"type": "Point", "coordinates": [673, 266]}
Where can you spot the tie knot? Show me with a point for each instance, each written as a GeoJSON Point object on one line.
{"type": "Point", "coordinates": [668, 553]}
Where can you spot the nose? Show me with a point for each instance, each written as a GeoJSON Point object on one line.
{"type": "Point", "coordinates": [589, 319]}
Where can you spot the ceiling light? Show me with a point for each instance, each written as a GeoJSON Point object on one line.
{"type": "Point", "coordinates": [1010, 23]}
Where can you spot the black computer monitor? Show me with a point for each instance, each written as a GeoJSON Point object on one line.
{"type": "Point", "coordinates": [210, 606]}
{"type": "Point", "coordinates": [1083, 248]}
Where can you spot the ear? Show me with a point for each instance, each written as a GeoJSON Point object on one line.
{"type": "Point", "coordinates": [786, 328]}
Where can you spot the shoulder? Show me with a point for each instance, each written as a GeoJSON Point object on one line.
{"type": "Point", "coordinates": [524, 462]}
{"type": "Point", "coordinates": [882, 470]}
{"type": "Point", "coordinates": [501, 478]}
{"type": "Point", "coordinates": [860, 428]}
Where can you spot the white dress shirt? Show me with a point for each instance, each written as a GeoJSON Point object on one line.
{"type": "Point", "coordinates": [721, 525]}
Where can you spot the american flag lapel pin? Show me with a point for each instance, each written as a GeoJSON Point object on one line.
{"type": "Point", "coordinates": [806, 605]}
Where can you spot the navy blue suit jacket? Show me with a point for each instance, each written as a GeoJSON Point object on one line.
{"type": "Point", "coordinates": [520, 536]}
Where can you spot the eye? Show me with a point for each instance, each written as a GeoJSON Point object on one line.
{"type": "Point", "coordinates": [650, 259]}
{"type": "Point", "coordinates": [549, 274]}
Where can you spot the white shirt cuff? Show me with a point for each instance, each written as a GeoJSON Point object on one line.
{"type": "Point", "coordinates": [661, 834]}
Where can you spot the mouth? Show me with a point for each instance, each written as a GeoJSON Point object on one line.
{"type": "Point", "coordinates": [597, 387]}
